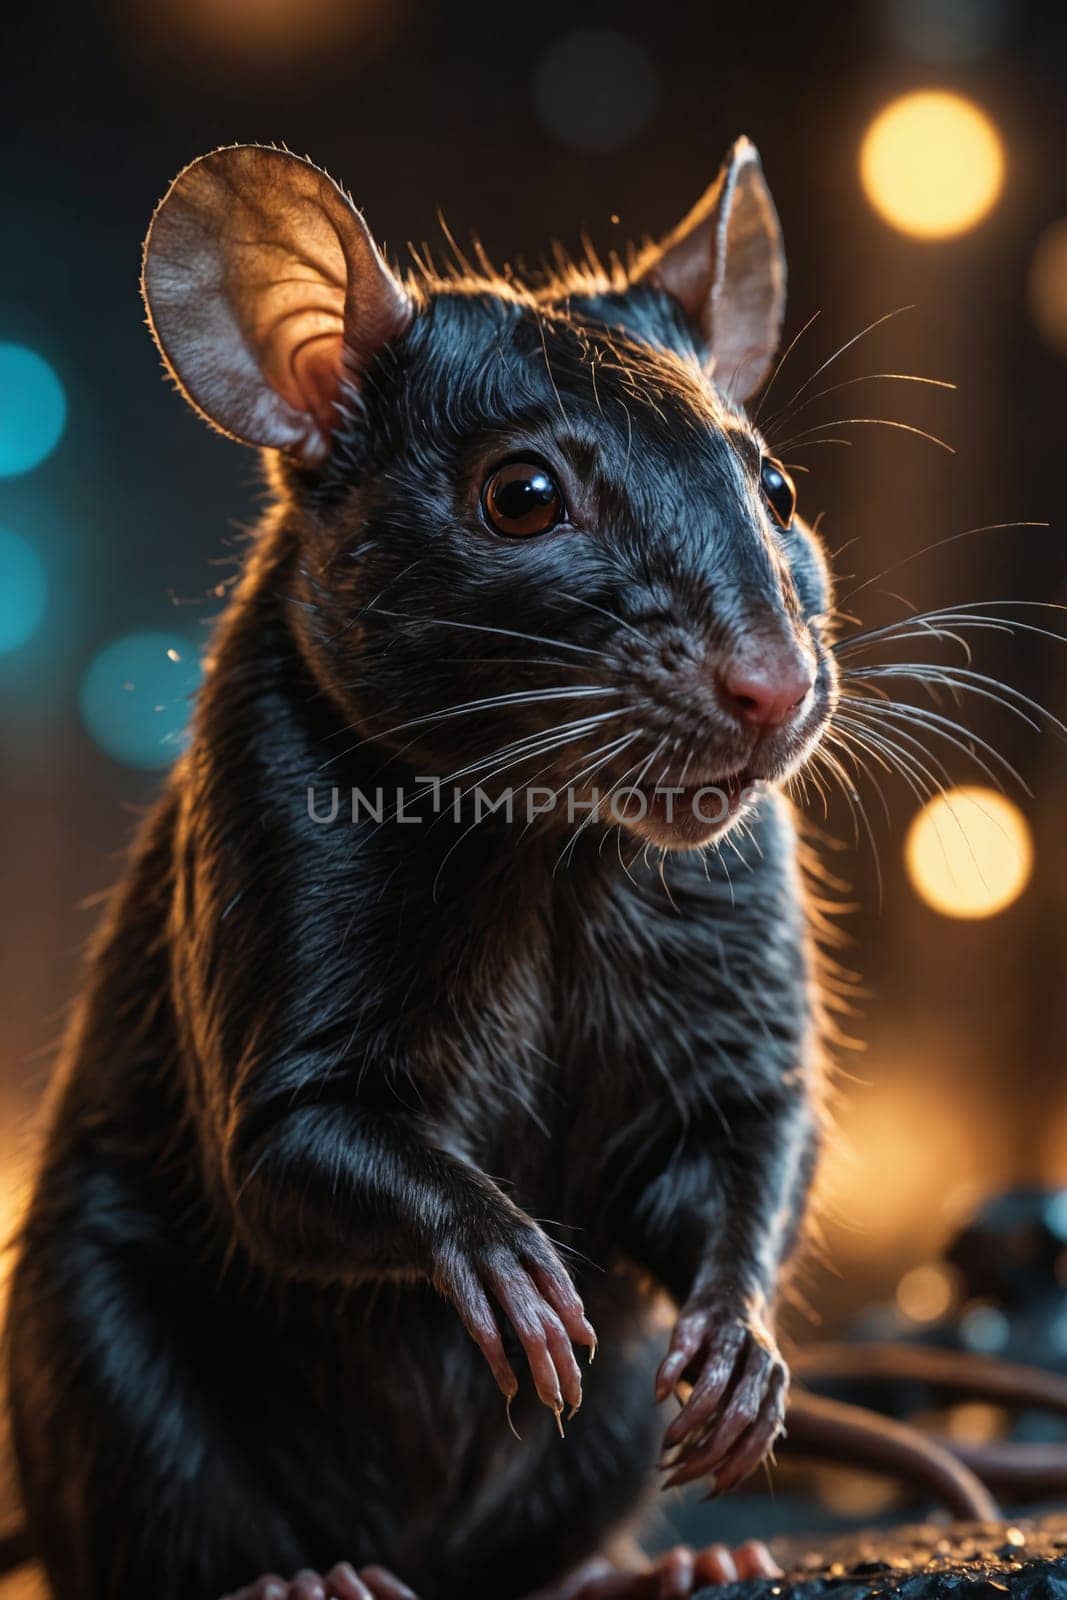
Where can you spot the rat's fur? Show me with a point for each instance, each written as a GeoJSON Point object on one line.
{"type": "Point", "coordinates": [317, 1066]}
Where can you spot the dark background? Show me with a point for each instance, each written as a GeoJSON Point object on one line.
{"type": "Point", "coordinates": [138, 512]}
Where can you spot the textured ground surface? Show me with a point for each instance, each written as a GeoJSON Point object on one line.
{"type": "Point", "coordinates": [1007, 1561]}
{"type": "Point", "coordinates": [1025, 1560]}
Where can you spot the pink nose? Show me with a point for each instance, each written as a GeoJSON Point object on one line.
{"type": "Point", "coordinates": [766, 686]}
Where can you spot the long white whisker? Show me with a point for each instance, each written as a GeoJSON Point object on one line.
{"type": "Point", "coordinates": [534, 744]}
{"type": "Point", "coordinates": [855, 802]}
{"type": "Point", "coordinates": [786, 414]}
{"type": "Point", "coordinates": [506, 633]}
{"type": "Point", "coordinates": [872, 422]}
{"type": "Point", "coordinates": [517, 697]}
{"type": "Point", "coordinates": [895, 758]}
{"type": "Point", "coordinates": [840, 351]}
{"type": "Point", "coordinates": [849, 744]}
{"type": "Point", "coordinates": [938, 544]}
{"type": "Point", "coordinates": [936, 722]}
{"type": "Point", "coordinates": [620, 622]}
{"type": "Point", "coordinates": [965, 679]}
{"type": "Point", "coordinates": [904, 755]}
{"type": "Point", "coordinates": [782, 359]}
{"type": "Point", "coordinates": [481, 818]}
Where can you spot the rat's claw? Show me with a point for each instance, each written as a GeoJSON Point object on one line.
{"type": "Point", "coordinates": [557, 1288]}
{"type": "Point", "coordinates": [706, 1449]}
{"type": "Point", "coordinates": [735, 1409]}
{"type": "Point", "coordinates": [687, 1340]}
{"type": "Point", "coordinates": [757, 1443]}
{"type": "Point", "coordinates": [533, 1290]}
{"type": "Point", "coordinates": [722, 1351]}
{"type": "Point", "coordinates": [543, 1337]}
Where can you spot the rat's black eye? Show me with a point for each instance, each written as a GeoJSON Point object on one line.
{"type": "Point", "coordinates": [779, 489]}
{"type": "Point", "coordinates": [521, 499]}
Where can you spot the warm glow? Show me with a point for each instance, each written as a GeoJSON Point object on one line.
{"type": "Point", "coordinates": [263, 33]}
{"type": "Point", "coordinates": [1048, 285]}
{"type": "Point", "coordinates": [969, 853]}
{"type": "Point", "coordinates": [932, 164]}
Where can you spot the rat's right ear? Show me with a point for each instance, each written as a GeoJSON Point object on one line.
{"type": "Point", "coordinates": [725, 265]}
{"type": "Point", "coordinates": [266, 294]}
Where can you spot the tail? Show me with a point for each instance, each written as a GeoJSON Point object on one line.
{"type": "Point", "coordinates": [959, 1475]}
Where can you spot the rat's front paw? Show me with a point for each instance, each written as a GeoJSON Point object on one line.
{"type": "Point", "coordinates": [342, 1582]}
{"type": "Point", "coordinates": [527, 1280]}
{"type": "Point", "coordinates": [736, 1407]}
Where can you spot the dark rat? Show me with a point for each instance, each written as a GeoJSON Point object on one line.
{"type": "Point", "coordinates": [361, 1123]}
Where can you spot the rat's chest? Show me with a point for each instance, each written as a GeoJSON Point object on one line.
{"type": "Point", "coordinates": [625, 1017]}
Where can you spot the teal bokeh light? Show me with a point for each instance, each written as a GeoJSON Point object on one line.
{"type": "Point", "coordinates": [33, 409]}
{"type": "Point", "coordinates": [23, 591]}
{"type": "Point", "coordinates": [136, 697]}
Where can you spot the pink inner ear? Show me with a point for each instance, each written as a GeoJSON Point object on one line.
{"type": "Point", "coordinates": [316, 371]}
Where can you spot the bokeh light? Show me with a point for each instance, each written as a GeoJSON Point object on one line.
{"type": "Point", "coordinates": [932, 164]}
{"type": "Point", "coordinates": [926, 1292]}
{"type": "Point", "coordinates": [1048, 285]}
{"type": "Point", "coordinates": [23, 591]}
{"type": "Point", "coordinates": [33, 409]}
{"type": "Point", "coordinates": [136, 697]}
{"type": "Point", "coordinates": [595, 89]}
{"type": "Point", "coordinates": [969, 852]}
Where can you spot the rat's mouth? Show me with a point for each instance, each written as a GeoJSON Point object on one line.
{"type": "Point", "coordinates": [685, 816]}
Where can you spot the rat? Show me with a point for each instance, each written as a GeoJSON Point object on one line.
{"type": "Point", "coordinates": [375, 1112]}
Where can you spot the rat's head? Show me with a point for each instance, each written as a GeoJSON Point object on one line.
{"type": "Point", "coordinates": [535, 538]}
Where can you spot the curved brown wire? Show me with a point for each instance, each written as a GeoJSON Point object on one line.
{"type": "Point", "coordinates": [1006, 1383]}
{"type": "Point", "coordinates": [834, 1431]}
{"type": "Point", "coordinates": [830, 1430]}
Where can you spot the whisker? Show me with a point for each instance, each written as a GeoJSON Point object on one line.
{"type": "Point", "coordinates": [516, 697]}
{"type": "Point", "coordinates": [883, 750]}
{"type": "Point", "coordinates": [938, 544]}
{"type": "Point", "coordinates": [787, 413]}
{"type": "Point", "coordinates": [947, 797]}
{"type": "Point", "coordinates": [920, 628]}
{"type": "Point", "coordinates": [614, 748]}
{"type": "Point", "coordinates": [809, 444]}
{"type": "Point", "coordinates": [953, 732]}
{"type": "Point", "coordinates": [840, 351]}
{"type": "Point", "coordinates": [512, 661]}
{"type": "Point", "coordinates": [966, 679]}
{"type": "Point", "coordinates": [507, 633]}
{"type": "Point", "coordinates": [875, 422]}
{"type": "Point", "coordinates": [535, 743]}
{"type": "Point", "coordinates": [579, 600]}
{"type": "Point", "coordinates": [905, 758]}
{"type": "Point", "coordinates": [849, 745]}
{"type": "Point", "coordinates": [568, 848]}
{"type": "Point", "coordinates": [478, 819]}
{"type": "Point", "coordinates": [855, 803]}
{"type": "Point", "coordinates": [780, 363]}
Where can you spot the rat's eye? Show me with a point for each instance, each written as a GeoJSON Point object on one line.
{"type": "Point", "coordinates": [521, 499]}
{"type": "Point", "coordinates": [778, 487]}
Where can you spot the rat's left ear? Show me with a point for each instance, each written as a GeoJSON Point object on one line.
{"type": "Point", "coordinates": [725, 265]}
{"type": "Point", "coordinates": [266, 294]}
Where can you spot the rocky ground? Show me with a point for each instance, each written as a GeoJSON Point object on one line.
{"type": "Point", "coordinates": [1024, 1560]}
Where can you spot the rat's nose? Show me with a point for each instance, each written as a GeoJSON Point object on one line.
{"type": "Point", "coordinates": [766, 684]}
